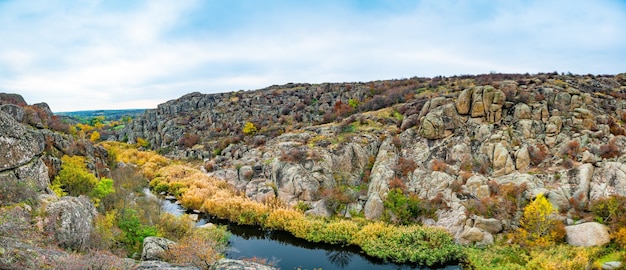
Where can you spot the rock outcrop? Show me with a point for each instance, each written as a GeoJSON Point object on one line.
{"type": "Point", "coordinates": [228, 264]}
{"type": "Point", "coordinates": [69, 219]}
{"type": "Point", "coordinates": [458, 143]}
{"type": "Point", "coordinates": [22, 172]}
{"type": "Point", "coordinates": [154, 247]}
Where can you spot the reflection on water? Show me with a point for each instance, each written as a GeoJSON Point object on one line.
{"type": "Point", "coordinates": [339, 258]}
{"type": "Point", "coordinates": [289, 252]}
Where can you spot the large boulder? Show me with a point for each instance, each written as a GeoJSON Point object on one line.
{"type": "Point", "coordinates": [587, 234]}
{"type": "Point", "coordinates": [70, 220]}
{"type": "Point", "coordinates": [154, 247]}
{"type": "Point", "coordinates": [490, 225]}
{"type": "Point", "coordinates": [463, 101]}
{"type": "Point", "coordinates": [502, 161]}
{"type": "Point", "coordinates": [440, 122]}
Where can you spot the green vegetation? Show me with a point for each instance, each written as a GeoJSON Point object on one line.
{"type": "Point", "coordinates": [405, 208]}
{"type": "Point", "coordinates": [198, 191]}
{"type": "Point", "coordinates": [535, 245]}
{"type": "Point", "coordinates": [133, 231]}
{"type": "Point", "coordinates": [74, 179]}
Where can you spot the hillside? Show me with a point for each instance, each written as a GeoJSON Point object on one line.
{"type": "Point", "coordinates": [475, 149]}
{"type": "Point", "coordinates": [69, 203]}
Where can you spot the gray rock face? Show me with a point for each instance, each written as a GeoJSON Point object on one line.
{"type": "Point", "coordinates": [70, 220]}
{"type": "Point", "coordinates": [380, 176]}
{"type": "Point", "coordinates": [486, 140]}
{"type": "Point", "coordinates": [587, 234]}
{"type": "Point", "coordinates": [153, 248]}
{"type": "Point", "coordinates": [159, 265]}
{"type": "Point", "coordinates": [229, 264]}
{"type": "Point", "coordinates": [14, 111]}
{"type": "Point", "coordinates": [22, 173]}
{"type": "Point", "coordinates": [19, 144]}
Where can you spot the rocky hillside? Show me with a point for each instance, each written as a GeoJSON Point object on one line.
{"type": "Point", "coordinates": [35, 224]}
{"type": "Point", "coordinates": [473, 149]}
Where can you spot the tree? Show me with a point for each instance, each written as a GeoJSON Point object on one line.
{"type": "Point", "coordinates": [95, 136]}
{"type": "Point", "coordinates": [103, 188]}
{"type": "Point", "coordinates": [538, 228]}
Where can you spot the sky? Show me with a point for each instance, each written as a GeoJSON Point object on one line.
{"type": "Point", "coordinates": [96, 54]}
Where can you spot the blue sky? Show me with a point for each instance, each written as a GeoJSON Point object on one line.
{"type": "Point", "coordinates": [83, 55]}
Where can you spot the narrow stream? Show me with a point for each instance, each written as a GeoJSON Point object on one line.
{"type": "Point", "coordinates": [287, 252]}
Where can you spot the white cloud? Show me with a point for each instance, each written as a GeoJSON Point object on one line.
{"type": "Point", "coordinates": [93, 55]}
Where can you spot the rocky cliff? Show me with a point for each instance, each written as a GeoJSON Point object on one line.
{"type": "Point", "coordinates": [476, 147]}
{"type": "Point", "coordinates": [33, 220]}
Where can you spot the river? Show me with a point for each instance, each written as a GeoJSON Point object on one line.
{"type": "Point", "coordinates": [287, 252]}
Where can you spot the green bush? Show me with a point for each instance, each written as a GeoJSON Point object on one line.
{"type": "Point", "coordinates": [133, 230]}
{"type": "Point", "coordinates": [406, 208]}
{"type": "Point", "coordinates": [409, 244]}
{"type": "Point", "coordinates": [610, 211]}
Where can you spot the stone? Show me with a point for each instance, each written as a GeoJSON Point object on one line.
{"type": "Point", "coordinates": [490, 225]}
{"type": "Point", "coordinates": [319, 209]}
{"type": "Point", "coordinates": [463, 102]}
{"type": "Point", "coordinates": [159, 265]}
{"type": "Point", "coordinates": [70, 219]}
{"type": "Point", "coordinates": [587, 234]}
{"type": "Point", "coordinates": [14, 111]}
{"type": "Point", "coordinates": [381, 173]}
{"type": "Point", "coordinates": [588, 157]}
{"type": "Point", "coordinates": [154, 247]}
{"type": "Point", "coordinates": [207, 226]}
{"type": "Point", "coordinates": [19, 144]}
{"type": "Point", "coordinates": [471, 235]}
{"type": "Point", "coordinates": [478, 106]}
{"type": "Point", "coordinates": [608, 179]}
{"type": "Point", "coordinates": [522, 111]}
{"type": "Point", "coordinates": [373, 207]}
{"type": "Point", "coordinates": [522, 158]}
{"type": "Point", "coordinates": [612, 265]}
{"type": "Point", "coordinates": [432, 126]}
{"type": "Point", "coordinates": [502, 161]}
{"type": "Point", "coordinates": [229, 264]}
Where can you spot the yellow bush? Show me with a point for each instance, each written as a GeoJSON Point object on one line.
{"type": "Point", "coordinates": [311, 229]}
{"type": "Point", "coordinates": [561, 257]}
{"type": "Point", "coordinates": [279, 219]}
{"type": "Point", "coordinates": [620, 237]}
{"type": "Point", "coordinates": [373, 230]}
{"type": "Point", "coordinates": [95, 136]}
{"type": "Point", "coordinates": [249, 128]}
{"type": "Point", "coordinates": [538, 228]}
{"type": "Point", "coordinates": [173, 227]}
{"type": "Point", "coordinates": [340, 232]}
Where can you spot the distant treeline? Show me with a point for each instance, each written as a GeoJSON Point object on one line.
{"type": "Point", "coordinates": [109, 115]}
